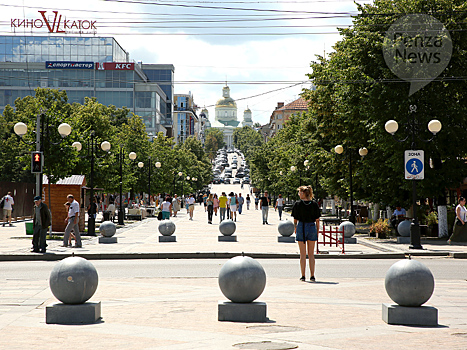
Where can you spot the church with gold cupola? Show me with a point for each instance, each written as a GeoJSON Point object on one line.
{"type": "Point", "coordinates": [226, 116]}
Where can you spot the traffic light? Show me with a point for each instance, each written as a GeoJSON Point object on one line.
{"type": "Point", "coordinates": [36, 162]}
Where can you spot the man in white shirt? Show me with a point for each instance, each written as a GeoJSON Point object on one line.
{"type": "Point", "coordinates": [7, 208]}
{"type": "Point", "coordinates": [72, 222]}
{"type": "Point", "coordinates": [191, 205]}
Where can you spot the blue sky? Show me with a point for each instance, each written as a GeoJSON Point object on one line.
{"type": "Point", "coordinates": [199, 59]}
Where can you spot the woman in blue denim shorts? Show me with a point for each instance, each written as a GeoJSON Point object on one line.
{"type": "Point", "coordinates": [306, 215]}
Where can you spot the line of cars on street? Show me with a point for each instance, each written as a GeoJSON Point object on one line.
{"type": "Point", "coordinates": [223, 170]}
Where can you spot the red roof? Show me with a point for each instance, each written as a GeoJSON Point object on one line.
{"type": "Point", "coordinates": [299, 104]}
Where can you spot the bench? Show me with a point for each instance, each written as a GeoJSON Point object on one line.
{"type": "Point", "coordinates": [134, 214]}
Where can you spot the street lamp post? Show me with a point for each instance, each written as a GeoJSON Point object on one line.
{"type": "Point", "coordinates": [339, 149]}
{"type": "Point", "coordinates": [157, 165]}
{"type": "Point", "coordinates": [92, 150]}
{"type": "Point", "coordinates": [180, 175]}
{"type": "Point", "coordinates": [42, 132]}
{"type": "Point", "coordinates": [187, 179]}
{"type": "Point", "coordinates": [413, 128]}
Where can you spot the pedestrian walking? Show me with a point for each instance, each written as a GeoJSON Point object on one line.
{"type": "Point", "coordinates": [265, 207]}
{"type": "Point", "coordinates": [40, 223]}
{"type": "Point", "coordinates": [166, 208]}
{"type": "Point", "coordinates": [216, 203]}
{"type": "Point", "coordinates": [187, 206]}
{"type": "Point", "coordinates": [228, 207]}
{"type": "Point", "coordinates": [191, 205]}
{"type": "Point", "coordinates": [92, 209]}
{"type": "Point", "coordinates": [222, 206]}
{"type": "Point", "coordinates": [72, 222]}
{"type": "Point", "coordinates": [175, 205]}
{"type": "Point", "coordinates": [248, 201]}
{"type": "Point", "coordinates": [205, 198]}
{"type": "Point", "coordinates": [210, 205]}
{"type": "Point", "coordinates": [240, 200]}
{"type": "Point", "coordinates": [306, 215]}
{"type": "Point", "coordinates": [256, 202]}
{"type": "Point", "coordinates": [280, 205]}
{"type": "Point", "coordinates": [8, 203]}
{"type": "Point", "coordinates": [459, 232]}
{"type": "Point", "coordinates": [72, 236]}
{"type": "Point", "coordinates": [233, 206]}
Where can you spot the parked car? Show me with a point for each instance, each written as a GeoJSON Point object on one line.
{"type": "Point", "coordinates": [240, 174]}
{"type": "Point", "coordinates": [216, 181]}
{"type": "Point", "coordinates": [246, 181]}
{"type": "Point", "coordinates": [236, 181]}
{"type": "Point", "coordinates": [227, 181]}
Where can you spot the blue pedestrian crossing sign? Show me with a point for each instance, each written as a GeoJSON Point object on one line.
{"type": "Point", "coordinates": [414, 165]}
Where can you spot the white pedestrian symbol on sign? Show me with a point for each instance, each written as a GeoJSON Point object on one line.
{"type": "Point", "coordinates": [414, 167]}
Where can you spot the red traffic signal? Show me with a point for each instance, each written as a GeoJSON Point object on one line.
{"type": "Point", "coordinates": [36, 162]}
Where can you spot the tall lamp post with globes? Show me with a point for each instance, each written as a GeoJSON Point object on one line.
{"type": "Point", "coordinates": [157, 165]}
{"type": "Point", "coordinates": [339, 149]}
{"type": "Point", "coordinates": [42, 131]}
{"type": "Point", "coordinates": [92, 153]}
{"type": "Point", "coordinates": [413, 129]}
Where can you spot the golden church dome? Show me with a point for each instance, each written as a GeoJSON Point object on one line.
{"type": "Point", "coordinates": [226, 102]}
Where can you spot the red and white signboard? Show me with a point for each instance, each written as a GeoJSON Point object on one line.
{"type": "Point", "coordinates": [115, 66]}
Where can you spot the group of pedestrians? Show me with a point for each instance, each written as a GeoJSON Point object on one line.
{"type": "Point", "coordinates": [227, 205]}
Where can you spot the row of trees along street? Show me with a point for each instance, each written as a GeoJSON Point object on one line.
{"type": "Point", "coordinates": [117, 126]}
{"type": "Point", "coordinates": [356, 93]}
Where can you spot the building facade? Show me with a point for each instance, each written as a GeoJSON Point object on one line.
{"type": "Point", "coordinates": [282, 113]}
{"type": "Point", "coordinates": [86, 67]}
{"type": "Point", "coordinates": [186, 122]}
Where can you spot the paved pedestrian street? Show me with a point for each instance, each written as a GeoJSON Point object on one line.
{"type": "Point", "coordinates": [180, 311]}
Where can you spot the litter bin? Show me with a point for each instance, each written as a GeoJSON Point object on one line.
{"type": "Point", "coordinates": [29, 228]}
{"type": "Point", "coordinates": [106, 215]}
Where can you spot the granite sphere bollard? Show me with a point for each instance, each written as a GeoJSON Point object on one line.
{"type": "Point", "coordinates": [227, 227]}
{"type": "Point", "coordinates": [242, 279]}
{"type": "Point", "coordinates": [167, 227]}
{"type": "Point", "coordinates": [348, 228]}
{"type": "Point", "coordinates": [73, 280]}
{"type": "Point", "coordinates": [404, 228]}
{"type": "Point", "coordinates": [107, 229]}
{"type": "Point", "coordinates": [409, 283]}
{"type": "Point", "coordinates": [286, 228]}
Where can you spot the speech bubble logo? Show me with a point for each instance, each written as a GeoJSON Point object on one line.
{"type": "Point", "coordinates": [417, 48]}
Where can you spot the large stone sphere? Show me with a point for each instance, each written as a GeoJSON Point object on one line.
{"type": "Point", "coordinates": [349, 229]}
{"type": "Point", "coordinates": [409, 283]}
{"type": "Point", "coordinates": [73, 280]}
{"type": "Point", "coordinates": [242, 279]}
{"type": "Point", "coordinates": [404, 228]}
{"type": "Point", "coordinates": [286, 228]}
{"type": "Point", "coordinates": [227, 227]}
{"type": "Point", "coordinates": [166, 227]}
{"type": "Point", "coordinates": [107, 229]}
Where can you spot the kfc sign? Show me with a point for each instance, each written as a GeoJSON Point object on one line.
{"type": "Point", "coordinates": [115, 66]}
{"type": "Point", "coordinates": [56, 24]}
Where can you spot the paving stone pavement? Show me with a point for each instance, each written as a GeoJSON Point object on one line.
{"type": "Point", "coordinates": [181, 313]}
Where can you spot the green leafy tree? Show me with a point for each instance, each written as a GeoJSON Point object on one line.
{"type": "Point", "coordinates": [356, 93]}
{"type": "Point", "coordinates": [247, 139]}
{"type": "Point", "coordinates": [213, 142]}
{"type": "Point", "coordinates": [54, 109]}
